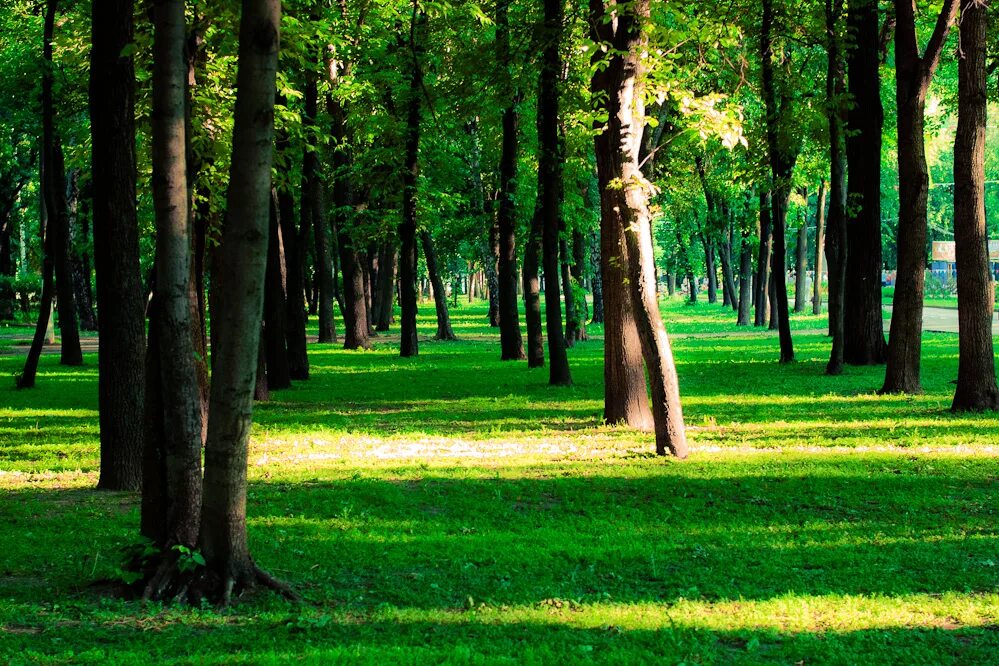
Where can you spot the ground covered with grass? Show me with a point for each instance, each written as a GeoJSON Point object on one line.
{"type": "Point", "coordinates": [453, 508]}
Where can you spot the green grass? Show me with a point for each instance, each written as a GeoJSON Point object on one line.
{"type": "Point", "coordinates": [453, 508]}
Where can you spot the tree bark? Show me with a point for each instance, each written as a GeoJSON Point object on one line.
{"type": "Point", "coordinates": [275, 308]}
{"type": "Point", "coordinates": [121, 299]}
{"type": "Point", "coordinates": [550, 167]}
{"type": "Point", "coordinates": [511, 343]}
{"type": "Point", "coordinates": [762, 316]}
{"type": "Point", "coordinates": [27, 377]}
{"type": "Point", "coordinates": [912, 80]}
{"type": "Point", "coordinates": [598, 281]}
{"type": "Point", "coordinates": [444, 331]}
{"type": "Point", "coordinates": [836, 235]}
{"type": "Point", "coordinates": [801, 266]}
{"type": "Point", "coordinates": [492, 275]}
{"type": "Point", "coordinates": [820, 235]}
{"type": "Point", "coordinates": [294, 265]}
{"type": "Point", "coordinates": [407, 228]}
{"type": "Point", "coordinates": [175, 456]}
{"type": "Point", "coordinates": [240, 273]}
{"type": "Point", "coordinates": [976, 374]}
{"type": "Point", "coordinates": [386, 286]}
{"type": "Point", "coordinates": [863, 323]}
{"type": "Point", "coordinates": [312, 198]}
{"type": "Point", "coordinates": [745, 277]}
{"type": "Point", "coordinates": [625, 208]}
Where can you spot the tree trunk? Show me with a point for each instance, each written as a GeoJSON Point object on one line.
{"type": "Point", "coordinates": [386, 287]}
{"type": "Point", "coordinates": [444, 331]}
{"type": "Point", "coordinates": [407, 228]}
{"type": "Point", "coordinates": [836, 236]}
{"type": "Point", "coordinates": [745, 277]}
{"type": "Point", "coordinates": [511, 343]}
{"type": "Point", "coordinates": [577, 271]}
{"type": "Point", "coordinates": [312, 197]}
{"type": "Point", "coordinates": [863, 323]}
{"type": "Point", "coordinates": [121, 298]}
{"type": "Point", "coordinates": [294, 265]}
{"type": "Point", "coordinates": [598, 282]}
{"type": "Point", "coordinates": [550, 194]}
{"type": "Point", "coordinates": [69, 326]}
{"type": "Point", "coordinates": [240, 273]}
{"type": "Point", "coordinates": [782, 160]}
{"type": "Point", "coordinates": [27, 377]}
{"type": "Point", "coordinates": [762, 317]}
{"type": "Point", "coordinates": [913, 75]}
{"type": "Point", "coordinates": [173, 454]}
{"type": "Point", "coordinates": [801, 267]}
{"type": "Point", "coordinates": [492, 276]}
{"type": "Point", "coordinates": [79, 230]}
{"type": "Point", "coordinates": [275, 308]}
{"type": "Point", "coordinates": [571, 317]}
{"type": "Point", "coordinates": [820, 235]}
{"type": "Point", "coordinates": [709, 265]}
{"type": "Point", "coordinates": [976, 374]}
{"type": "Point", "coordinates": [625, 209]}
{"type": "Point", "coordinates": [728, 274]}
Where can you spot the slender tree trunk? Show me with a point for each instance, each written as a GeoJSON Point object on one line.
{"type": "Point", "coordinates": [728, 275]}
{"type": "Point", "coordinates": [295, 314]}
{"type": "Point", "coordinates": [863, 324]}
{"type": "Point", "coordinates": [709, 266]}
{"type": "Point", "coordinates": [782, 160]}
{"type": "Point", "coordinates": [571, 318]}
{"type": "Point", "coordinates": [745, 278]}
{"type": "Point", "coordinates": [577, 271]}
{"type": "Point", "coordinates": [80, 262]}
{"type": "Point", "coordinates": [836, 235]}
{"type": "Point", "coordinates": [275, 308]}
{"type": "Point", "coordinates": [492, 276]}
{"type": "Point", "coordinates": [976, 375]}
{"type": "Point", "coordinates": [69, 325]}
{"type": "Point", "coordinates": [820, 235]}
{"type": "Point", "coordinates": [532, 287]}
{"type": "Point", "coordinates": [240, 272]}
{"type": "Point", "coordinates": [121, 298]}
{"type": "Point", "coordinates": [312, 196]}
{"type": "Point", "coordinates": [801, 267]}
{"type": "Point", "coordinates": [173, 457]}
{"type": "Point", "coordinates": [550, 165]}
{"type": "Point", "coordinates": [913, 75]}
{"type": "Point", "coordinates": [625, 209]}
{"type": "Point", "coordinates": [762, 316]}
{"type": "Point", "coordinates": [598, 281]}
{"type": "Point", "coordinates": [386, 287]}
{"type": "Point", "coordinates": [407, 229]}
{"type": "Point", "coordinates": [444, 331]}
{"type": "Point", "coordinates": [511, 343]}
{"type": "Point", "coordinates": [27, 377]}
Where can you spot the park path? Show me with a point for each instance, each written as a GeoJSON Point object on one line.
{"type": "Point", "coordinates": [939, 320]}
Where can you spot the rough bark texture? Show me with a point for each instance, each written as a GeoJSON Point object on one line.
{"type": "Point", "coordinates": [240, 266]}
{"type": "Point", "coordinates": [912, 81]}
{"type": "Point", "coordinates": [976, 374]}
{"type": "Point", "coordinates": [783, 155]}
{"type": "Point", "coordinates": [444, 331]}
{"type": "Point", "coordinates": [836, 235]}
{"type": "Point", "coordinates": [492, 275]}
{"type": "Point", "coordinates": [171, 505]}
{"type": "Point", "coordinates": [863, 324]}
{"type": "Point", "coordinates": [598, 280]}
{"type": "Point", "coordinates": [409, 345]}
{"type": "Point", "coordinates": [625, 208]}
{"type": "Point", "coordinates": [820, 237]}
{"type": "Point", "coordinates": [511, 343]}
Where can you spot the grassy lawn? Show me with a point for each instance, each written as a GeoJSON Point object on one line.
{"type": "Point", "coordinates": [453, 508]}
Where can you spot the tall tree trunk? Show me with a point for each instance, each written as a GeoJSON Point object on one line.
{"type": "Point", "coordinates": [79, 261]}
{"type": "Point", "coordinates": [171, 505]}
{"type": "Point", "coordinates": [312, 197]}
{"type": "Point", "coordinates": [492, 276]}
{"type": "Point", "coordinates": [976, 374]}
{"type": "Point", "coordinates": [625, 209]}
{"type": "Point", "coordinates": [407, 228]}
{"type": "Point", "coordinates": [709, 266]}
{"type": "Point", "coordinates": [745, 277]}
{"type": "Point", "coordinates": [578, 271]}
{"type": "Point", "coordinates": [782, 160]}
{"type": "Point", "coordinates": [801, 266]}
{"type": "Point", "coordinates": [571, 317]}
{"type": "Point", "coordinates": [275, 308]}
{"type": "Point", "coordinates": [511, 343]}
{"type": "Point", "coordinates": [532, 285]}
{"type": "Point", "coordinates": [550, 165]}
{"type": "Point", "coordinates": [294, 268]}
{"type": "Point", "coordinates": [598, 281]}
{"type": "Point", "coordinates": [240, 273]}
{"type": "Point", "coordinates": [725, 254]}
{"type": "Point", "coordinates": [912, 80]}
{"type": "Point", "coordinates": [69, 325]}
{"type": "Point", "coordinates": [121, 301]}
{"type": "Point", "coordinates": [444, 331]}
{"type": "Point", "coordinates": [27, 377]}
{"type": "Point", "coordinates": [863, 323]}
{"type": "Point", "coordinates": [836, 235]}
{"type": "Point", "coordinates": [762, 316]}
{"type": "Point", "coordinates": [820, 235]}
{"type": "Point", "coordinates": [386, 287]}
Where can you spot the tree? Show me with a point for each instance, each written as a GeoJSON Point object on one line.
{"type": "Point", "coordinates": [820, 234]}
{"type": "Point", "coordinates": [976, 375]}
{"type": "Point", "coordinates": [624, 204]}
{"type": "Point", "coordinates": [836, 235]}
{"type": "Point", "coordinates": [511, 344]}
{"type": "Point", "coordinates": [913, 73]}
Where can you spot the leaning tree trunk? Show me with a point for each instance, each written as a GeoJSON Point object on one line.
{"type": "Point", "coordinates": [241, 258]}
{"type": "Point", "coordinates": [863, 323]}
{"type": "Point", "coordinates": [617, 150]}
{"type": "Point", "coordinates": [836, 235]}
{"type": "Point", "coordinates": [511, 343]}
{"type": "Point", "coordinates": [782, 159]}
{"type": "Point", "coordinates": [409, 345]}
{"type": "Point", "coordinates": [27, 377]}
{"type": "Point", "coordinates": [976, 375]}
{"type": "Point", "coordinates": [121, 298]}
{"type": "Point", "coordinates": [444, 331]}
{"type": "Point", "coordinates": [820, 234]}
{"type": "Point", "coordinates": [550, 166]}
{"type": "Point", "coordinates": [912, 81]}
{"type": "Point", "coordinates": [171, 502]}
